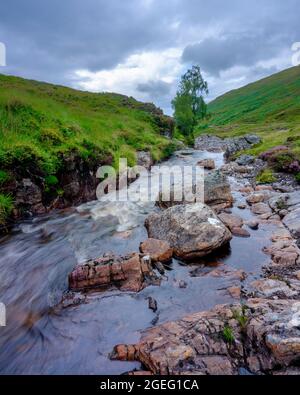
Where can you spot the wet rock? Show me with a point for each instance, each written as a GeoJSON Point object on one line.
{"type": "Point", "coordinates": [192, 230]}
{"type": "Point", "coordinates": [269, 288]}
{"type": "Point", "coordinates": [182, 284]}
{"type": "Point", "coordinates": [129, 273]}
{"type": "Point", "coordinates": [292, 222]}
{"type": "Point", "coordinates": [72, 190]}
{"type": "Point", "coordinates": [261, 208]}
{"type": "Point", "coordinates": [254, 225]}
{"type": "Point", "coordinates": [264, 333]}
{"type": "Point", "coordinates": [158, 250]}
{"type": "Point", "coordinates": [240, 232]}
{"type": "Point", "coordinates": [217, 190]}
{"type": "Point", "coordinates": [235, 292]}
{"type": "Point", "coordinates": [283, 252]}
{"type": "Point", "coordinates": [152, 303]}
{"type": "Point", "coordinates": [144, 159]}
{"type": "Point", "coordinates": [256, 198]}
{"type": "Point", "coordinates": [28, 193]}
{"type": "Point", "coordinates": [231, 221]}
{"type": "Point", "coordinates": [242, 206]}
{"type": "Point", "coordinates": [245, 160]}
{"type": "Point", "coordinates": [208, 164]}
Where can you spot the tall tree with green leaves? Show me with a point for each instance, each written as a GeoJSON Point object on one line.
{"type": "Point", "coordinates": [189, 105]}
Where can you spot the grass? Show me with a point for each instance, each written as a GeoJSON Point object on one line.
{"type": "Point", "coordinates": [6, 207]}
{"type": "Point", "coordinates": [228, 335]}
{"type": "Point", "coordinates": [39, 123]}
{"type": "Point", "coordinates": [269, 108]}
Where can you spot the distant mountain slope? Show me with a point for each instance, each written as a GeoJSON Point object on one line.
{"type": "Point", "coordinates": [269, 107]}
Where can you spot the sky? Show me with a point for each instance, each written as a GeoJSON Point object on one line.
{"type": "Point", "coordinates": [140, 48]}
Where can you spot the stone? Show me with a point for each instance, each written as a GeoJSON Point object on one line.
{"type": "Point", "coordinates": [240, 232]}
{"type": "Point", "coordinates": [28, 193]}
{"type": "Point", "coordinates": [199, 344]}
{"type": "Point", "coordinates": [245, 160]}
{"type": "Point", "coordinates": [208, 164]}
{"type": "Point", "coordinates": [158, 250]}
{"type": "Point", "coordinates": [269, 288]}
{"type": "Point", "coordinates": [129, 273]}
{"type": "Point", "coordinates": [231, 221]}
{"type": "Point", "coordinates": [192, 230]}
{"type": "Point", "coordinates": [292, 222]}
{"type": "Point", "coordinates": [209, 143]}
{"type": "Point", "coordinates": [152, 303]}
{"type": "Point", "coordinates": [144, 159]}
{"type": "Point", "coordinates": [256, 198]}
{"type": "Point", "coordinates": [254, 225]}
{"type": "Point", "coordinates": [235, 292]}
{"type": "Point", "coordinates": [217, 190]}
{"type": "Point", "coordinates": [261, 208]}
{"type": "Point", "coordinates": [242, 206]}
{"type": "Point", "coordinates": [72, 190]}
{"type": "Point", "coordinates": [283, 252]}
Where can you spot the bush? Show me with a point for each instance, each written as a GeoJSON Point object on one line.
{"type": "Point", "coordinates": [297, 176]}
{"type": "Point", "coordinates": [51, 180]}
{"type": "Point", "coordinates": [6, 207]}
{"type": "Point", "coordinates": [266, 177]}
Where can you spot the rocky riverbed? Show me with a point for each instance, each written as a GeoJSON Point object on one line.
{"type": "Point", "coordinates": [204, 288]}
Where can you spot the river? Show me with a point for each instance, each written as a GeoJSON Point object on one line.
{"type": "Point", "coordinates": [44, 337]}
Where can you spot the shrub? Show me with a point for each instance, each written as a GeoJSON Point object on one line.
{"type": "Point", "coordinates": [266, 177]}
{"type": "Point", "coordinates": [297, 176]}
{"type": "Point", "coordinates": [51, 180]}
{"type": "Point", "coordinates": [6, 207]}
{"type": "Point", "coordinates": [50, 136]}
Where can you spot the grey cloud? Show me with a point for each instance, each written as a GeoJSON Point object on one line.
{"type": "Point", "coordinates": [155, 88]}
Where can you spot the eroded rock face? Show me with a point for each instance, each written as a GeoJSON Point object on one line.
{"type": "Point", "coordinates": [192, 230]}
{"type": "Point", "coordinates": [292, 222]}
{"type": "Point", "coordinates": [261, 336]}
{"type": "Point", "coordinates": [158, 250]}
{"type": "Point", "coordinates": [129, 273]}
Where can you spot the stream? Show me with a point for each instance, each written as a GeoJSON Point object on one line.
{"type": "Point", "coordinates": [44, 337]}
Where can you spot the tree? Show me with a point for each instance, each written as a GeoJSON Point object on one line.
{"type": "Point", "coordinates": [189, 105]}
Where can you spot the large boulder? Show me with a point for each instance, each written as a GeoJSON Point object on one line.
{"type": "Point", "coordinates": [292, 222]}
{"type": "Point", "coordinates": [208, 164]}
{"type": "Point", "coordinates": [129, 273]}
{"type": "Point", "coordinates": [193, 230]}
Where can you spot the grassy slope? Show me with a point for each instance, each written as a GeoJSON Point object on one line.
{"type": "Point", "coordinates": [269, 107]}
{"type": "Point", "coordinates": [40, 122]}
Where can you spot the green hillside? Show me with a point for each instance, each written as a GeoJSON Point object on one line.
{"type": "Point", "coordinates": [42, 124]}
{"type": "Point", "coordinates": [269, 107]}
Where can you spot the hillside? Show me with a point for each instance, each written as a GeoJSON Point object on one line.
{"type": "Point", "coordinates": [269, 107]}
{"type": "Point", "coordinates": [44, 127]}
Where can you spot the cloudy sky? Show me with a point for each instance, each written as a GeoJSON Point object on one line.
{"type": "Point", "coordinates": [141, 47]}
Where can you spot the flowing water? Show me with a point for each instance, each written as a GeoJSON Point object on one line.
{"type": "Point", "coordinates": [43, 337]}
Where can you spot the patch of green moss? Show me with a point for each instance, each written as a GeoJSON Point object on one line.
{"type": "Point", "coordinates": [6, 207]}
{"type": "Point", "coordinates": [266, 177]}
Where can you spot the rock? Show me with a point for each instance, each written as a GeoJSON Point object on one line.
{"type": "Point", "coordinates": [292, 222]}
{"type": "Point", "coordinates": [28, 193]}
{"type": "Point", "coordinates": [252, 139]}
{"type": "Point", "coordinates": [182, 284]}
{"type": "Point", "coordinates": [283, 252]}
{"type": "Point", "coordinates": [242, 206]}
{"type": "Point", "coordinates": [144, 159]}
{"type": "Point", "coordinates": [129, 272]}
{"type": "Point", "coordinates": [231, 221]}
{"type": "Point", "coordinates": [285, 201]}
{"type": "Point", "coordinates": [158, 250]}
{"type": "Point", "coordinates": [192, 230]}
{"type": "Point", "coordinates": [217, 193]}
{"type": "Point", "coordinates": [256, 198]}
{"type": "Point", "coordinates": [210, 143]}
{"type": "Point", "coordinates": [217, 190]}
{"type": "Point", "coordinates": [72, 190]}
{"type": "Point", "coordinates": [245, 160]}
{"type": "Point", "coordinates": [240, 232]}
{"type": "Point", "coordinates": [208, 164]}
{"type": "Point", "coordinates": [152, 303]}
{"type": "Point", "coordinates": [269, 288]}
{"type": "Point", "coordinates": [254, 225]}
{"type": "Point", "coordinates": [235, 292]}
{"type": "Point", "coordinates": [260, 188]}
{"type": "Point", "coordinates": [265, 333]}
{"type": "Point", "coordinates": [261, 208]}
